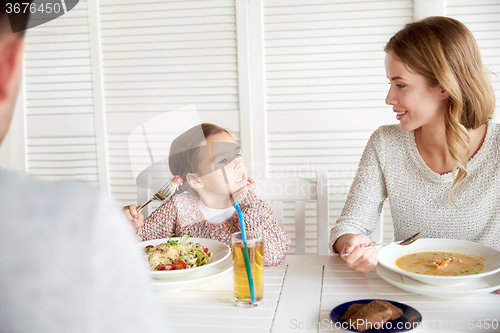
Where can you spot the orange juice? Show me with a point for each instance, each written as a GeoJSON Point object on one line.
{"type": "Point", "coordinates": [255, 249]}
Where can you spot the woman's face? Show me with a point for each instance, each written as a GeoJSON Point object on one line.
{"type": "Point", "coordinates": [415, 103]}
{"type": "Point", "coordinates": [223, 153]}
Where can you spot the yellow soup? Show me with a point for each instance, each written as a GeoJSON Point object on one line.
{"type": "Point", "coordinates": [440, 263]}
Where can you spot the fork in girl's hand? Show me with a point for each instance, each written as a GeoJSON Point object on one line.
{"type": "Point", "coordinates": [165, 192]}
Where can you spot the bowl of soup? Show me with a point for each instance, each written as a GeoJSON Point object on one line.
{"type": "Point", "coordinates": [441, 261]}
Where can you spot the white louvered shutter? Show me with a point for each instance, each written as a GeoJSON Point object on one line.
{"type": "Point", "coordinates": [58, 90]}
{"type": "Point", "coordinates": [482, 17]}
{"type": "Point", "coordinates": [326, 88]}
{"type": "Point", "coordinates": [160, 56]}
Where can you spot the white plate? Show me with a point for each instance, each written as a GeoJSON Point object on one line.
{"type": "Point", "coordinates": [196, 279]}
{"type": "Point", "coordinates": [220, 251]}
{"type": "Point", "coordinates": [490, 257]}
{"type": "Point", "coordinates": [470, 288]}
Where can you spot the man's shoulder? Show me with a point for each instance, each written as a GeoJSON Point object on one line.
{"type": "Point", "coordinates": [27, 197]}
{"type": "Point", "coordinates": [27, 188]}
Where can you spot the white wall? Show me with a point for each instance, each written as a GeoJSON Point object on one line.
{"type": "Point", "coordinates": [300, 83]}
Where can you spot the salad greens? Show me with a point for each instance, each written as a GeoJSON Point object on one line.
{"type": "Point", "coordinates": [182, 240]}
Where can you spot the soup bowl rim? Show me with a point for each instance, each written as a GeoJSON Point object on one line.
{"type": "Point", "coordinates": [388, 255]}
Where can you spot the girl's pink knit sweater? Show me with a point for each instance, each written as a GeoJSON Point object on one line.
{"type": "Point", "coordinates": [182, 215]}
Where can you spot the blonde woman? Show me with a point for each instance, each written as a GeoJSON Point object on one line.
{"type": "Point", "coordinates": [440, 168]}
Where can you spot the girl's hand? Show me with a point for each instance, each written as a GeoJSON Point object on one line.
{"type": "Point", "coordinates": [135, 218]}
{"type": "Point", "coordinates": [359, 259]}
{"type": "Point", "coordinates": [249, 187]}
{"type": "Point", "coordinates": [251, 184]}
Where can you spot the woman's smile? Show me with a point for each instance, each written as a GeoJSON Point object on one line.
{"type": "Point", "coordinates": [400, 114]}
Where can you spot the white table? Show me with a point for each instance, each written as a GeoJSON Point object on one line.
{"type": "Point", "coordinates": [299, 295]}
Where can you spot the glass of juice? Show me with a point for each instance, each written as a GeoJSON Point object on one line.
{"type": "Point", "coordinates": [255, 248]}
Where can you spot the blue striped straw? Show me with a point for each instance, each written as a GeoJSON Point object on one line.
{"type": "Point", "coordinates": [245, 251]}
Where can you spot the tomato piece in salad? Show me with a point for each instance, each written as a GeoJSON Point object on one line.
{"type": "Point", "coordinates": [166, 267]}
{"type": "Point", "coordinates": [205, 249]}
{"type": "Point", "coordinates": [179, 264]}
{"type": "Point", "coordinates": [176, 181]}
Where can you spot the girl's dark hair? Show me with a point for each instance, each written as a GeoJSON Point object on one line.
{"type": "Point", "coordinates": [185, 151]}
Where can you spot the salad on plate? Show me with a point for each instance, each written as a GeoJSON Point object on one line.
{"type": "Point", "coordinates": [177, 254]}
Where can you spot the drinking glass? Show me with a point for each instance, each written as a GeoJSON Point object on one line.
{"type": "Point", "coordinates": [255, 248]}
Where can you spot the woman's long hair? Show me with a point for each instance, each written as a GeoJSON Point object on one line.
{"type": "Point", "coordinates": [186, 150]}
{"type": "Point", "coordinates": [445, 52]}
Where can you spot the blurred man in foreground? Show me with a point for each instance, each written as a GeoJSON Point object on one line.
{"type": "Point", "coordinates": [68, 261]}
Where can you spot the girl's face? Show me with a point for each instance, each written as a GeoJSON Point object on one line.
{"type": "Point", "coordinates": [223, 153]}
{"type": "Point", "coordinates": [415, 103]}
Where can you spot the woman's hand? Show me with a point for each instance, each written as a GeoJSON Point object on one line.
{"type": "Point", "coordinates": [135, 218]}
{"type": "Point", "coordinates": [359, 259]}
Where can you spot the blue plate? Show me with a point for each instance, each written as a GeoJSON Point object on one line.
{"type": "Point", "coordinates": [409, 320]}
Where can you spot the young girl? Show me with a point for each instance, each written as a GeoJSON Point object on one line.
{"type": "Point", "coordinates": [440, 168]}
{"type": "Point", "coordinates": [206, 208]}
